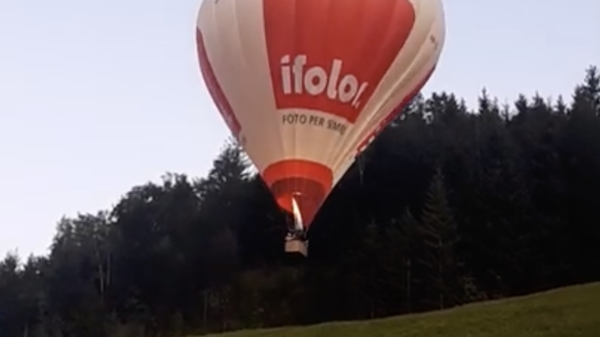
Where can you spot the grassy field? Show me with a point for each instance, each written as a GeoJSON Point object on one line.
{"type": "Point", "coordinates": [566, 312]}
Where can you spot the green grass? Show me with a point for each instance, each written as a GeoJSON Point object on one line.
{"type": "Point", "coordinates": [565, 312]}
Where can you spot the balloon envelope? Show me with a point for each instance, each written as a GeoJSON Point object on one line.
{"type": "Point", "coordinates": [306, 85]}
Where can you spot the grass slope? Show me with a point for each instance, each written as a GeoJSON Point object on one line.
{"type": "Point", "coordinates": [566, 312]}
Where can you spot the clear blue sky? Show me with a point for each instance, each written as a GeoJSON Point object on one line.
{"type": "Point", "coordinates": [98, 96]}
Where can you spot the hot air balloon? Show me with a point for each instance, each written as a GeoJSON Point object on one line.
{"type": "Point", "coordinates": [306, 85]}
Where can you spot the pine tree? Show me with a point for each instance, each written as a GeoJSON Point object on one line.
{"type": "Point", "coordinates": [439, 236]}
{"type": "Point", "coordinates": [409, 231]}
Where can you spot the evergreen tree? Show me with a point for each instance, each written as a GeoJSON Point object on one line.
{"type": "Point", "coordinates": [439, 236]}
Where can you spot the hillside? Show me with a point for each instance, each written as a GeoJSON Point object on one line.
{"type": "Point", "coordinates": [572, 311]}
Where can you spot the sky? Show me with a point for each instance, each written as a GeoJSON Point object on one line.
{"type": "Point", "coordinates": [99, 96]}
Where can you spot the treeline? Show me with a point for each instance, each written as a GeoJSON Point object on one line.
{"type": "Point", "coordinates": [447, 206]}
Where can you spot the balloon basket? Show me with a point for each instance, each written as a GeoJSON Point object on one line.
{"type": "Point", "coordinates": [296, 246]}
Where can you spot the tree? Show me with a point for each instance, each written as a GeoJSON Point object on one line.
{"type": "Point", "coordinates": [440, 273]}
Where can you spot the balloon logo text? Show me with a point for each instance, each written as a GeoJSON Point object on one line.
{"type": "Point", "coordinates": [314, 120]}
{"type": "Point", "coordinates": [315, 81]}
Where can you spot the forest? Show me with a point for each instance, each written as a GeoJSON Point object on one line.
{"type": "Point", "coordinates": [449, 205]}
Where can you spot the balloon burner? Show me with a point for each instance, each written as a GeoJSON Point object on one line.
{"type": "Point", "coordinates": [295, 241]}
